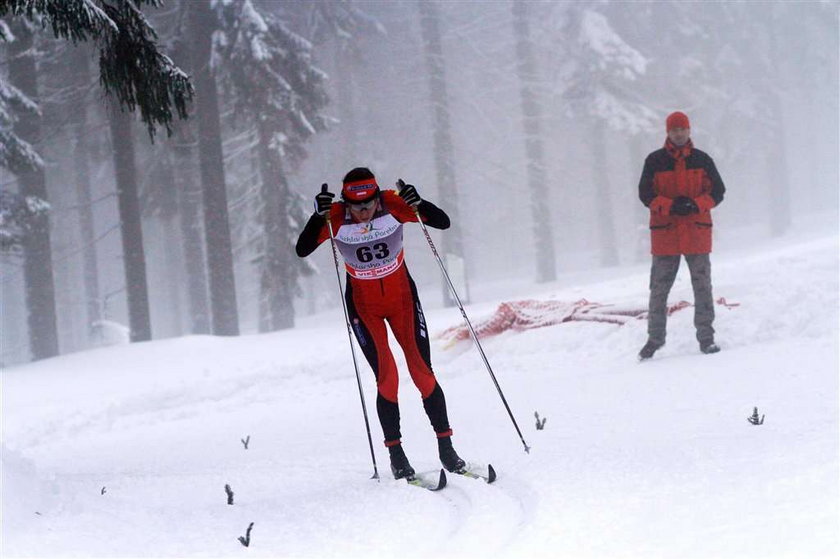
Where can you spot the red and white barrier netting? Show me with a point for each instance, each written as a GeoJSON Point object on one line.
{"type": "Point", "coordinates": [530, 313]}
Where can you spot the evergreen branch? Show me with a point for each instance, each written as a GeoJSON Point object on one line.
{"type": "Point", "coordinates": [131, 66]}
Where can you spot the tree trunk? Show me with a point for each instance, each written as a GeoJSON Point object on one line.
{"type": "Point", "coordinates": [170, 319]}
{"type": "Point", "coordinates": [779, 195]}
{"type": "Point", "coordinates": [222, 284]}
{"type": "Point", "coordinates": [603, 197]}
{"type": "Point", "coordinates": [534, 151]}
{"type": "Point", "coordinates": [189, 203]}
{"type": "Point", "coordinates": [134, 258]}
{"type": "Point", "coordinates": [444, 161]}
{"type": "Point", "coordinates": [278, 275]}
{"type": "Point", "coordinates": [79, 60]}
{"type": "Point", "coordinates": [186, 170]}
{"type": "Point", "coordinates": [174, 274]}
{"type": "Point", "coordinates": [38, 271]}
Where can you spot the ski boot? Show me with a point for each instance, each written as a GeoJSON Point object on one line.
{"type": "Point", "coordinates": [448, 457]}
{"type": "Point", "coordinates": [399, 463]}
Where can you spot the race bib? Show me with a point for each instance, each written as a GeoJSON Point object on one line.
{"type": "Point", "coordinates": [371, 250]}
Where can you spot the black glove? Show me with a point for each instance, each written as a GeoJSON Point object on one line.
{"type": "Point", "coordinates": [409, 194]}
{"type": "Point", "coordinates": [683, 205]}
{"type": "Point", "coordinates": [323, 200]}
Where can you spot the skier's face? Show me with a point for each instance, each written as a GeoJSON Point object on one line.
{"type": "Point", "coordinates": [363, 212]}
{"type": "Point", "coordinates": [679, 136]}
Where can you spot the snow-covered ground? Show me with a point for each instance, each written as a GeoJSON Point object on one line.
{"type": "Point", "coordinates": [126, 450]}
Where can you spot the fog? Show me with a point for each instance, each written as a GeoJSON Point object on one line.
{"type": "Point", "coordinates": [711, 62]}
{"type": "Point", "coordinates": [556, 118]}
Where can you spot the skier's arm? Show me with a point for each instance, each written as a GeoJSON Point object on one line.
{"type": "Point", "coordinates": [432, 215]}
{"type": "Point", "coordinates": [311, 236]}
{"type": "Point", "coordinates": [409, 202]}
{"type": "Point", "coordinates": [428, 212]}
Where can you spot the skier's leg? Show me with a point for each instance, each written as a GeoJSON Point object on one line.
{"type": "Point", "coordinates": [411, 332]}
{"type": "Point", "coordinates": [372, 335]}
{"type": "Point", "coordinates": [409, 327]}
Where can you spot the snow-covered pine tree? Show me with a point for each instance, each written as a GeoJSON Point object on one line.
{"type": "Point", "coordinates": [269, 73]}
{"type": "Point", "coordinates": [338, 27]}
{"type": "Point", "coordinates": [32, 184]}
{"type": "Point", "coordinates": [131, 66]}
{"type": "Point", "coordinates": [16, 155]}
{"type": "Point", "coordinates": [132, 70]}
{"type": "Point", "coordinates": [598, 74]}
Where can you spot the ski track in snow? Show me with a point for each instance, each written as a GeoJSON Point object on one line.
{"type": "Point", "coordinates": [636, 459]}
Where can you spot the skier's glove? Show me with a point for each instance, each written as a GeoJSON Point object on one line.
{"type": "Point", "coordinates": [409, 194]}
{"type": "Point", "coordinates": [683, 205]}
{"type": "Point", "coordinates": [323, 201]}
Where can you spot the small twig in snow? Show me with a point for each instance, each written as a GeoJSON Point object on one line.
{"type": "Point", "coordinates": [246, 541]}
{"type": "Point", "coordinates": [540, 422]}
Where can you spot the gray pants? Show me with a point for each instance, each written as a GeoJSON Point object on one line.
{"type": "Point", "coordinates": [663, 272]}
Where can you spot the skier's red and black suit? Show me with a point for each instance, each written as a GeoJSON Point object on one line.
{"type": "Point", "coordinates": [379, 288]}
{"type": "Point", "coordinates": [680, 171]}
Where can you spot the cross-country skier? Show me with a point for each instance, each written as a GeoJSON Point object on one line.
{"type": "Point", "coordinates": [367, 224]}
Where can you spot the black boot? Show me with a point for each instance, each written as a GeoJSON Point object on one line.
{"type": "Point", "coordinates": [650, 348]}
{"type": "Point", "coordinates": [399, 462]}
{"type": "Point", "coordinates": [709, 346]}
{"type": "Point", "coordinates": [448, 457]}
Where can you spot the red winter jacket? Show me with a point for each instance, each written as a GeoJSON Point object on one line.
{"type": "Point", "coordinates": [680, 171]}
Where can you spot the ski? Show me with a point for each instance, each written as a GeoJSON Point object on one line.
{"type": "Point", "coordinates": [471, 472]}
{"type": "Point", "coordinates": [426, 483]}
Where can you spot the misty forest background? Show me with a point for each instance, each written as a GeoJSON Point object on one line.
{"type": "Point", "coordinates": [528, 122]}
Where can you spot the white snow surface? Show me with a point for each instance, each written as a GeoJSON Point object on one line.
{"type": "Point", "coordinates": [124, 451]}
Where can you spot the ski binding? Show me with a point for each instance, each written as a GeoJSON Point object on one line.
{"type": "Point", "coordinates": [470, 472]}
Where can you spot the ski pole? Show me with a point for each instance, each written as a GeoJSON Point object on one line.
{"type": "Point", "coordinates": [350, 337]}
{"type": "Point", "coordinates": [400, 185]}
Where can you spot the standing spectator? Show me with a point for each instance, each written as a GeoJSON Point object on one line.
{"type": "Point", "coordinates": [680, 185]}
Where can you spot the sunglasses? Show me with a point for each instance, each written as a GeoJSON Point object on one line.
{"type": "Point", "coordinates": [360, 206]}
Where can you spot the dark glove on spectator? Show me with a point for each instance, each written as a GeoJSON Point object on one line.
{"type": "Point", "coordinates": [683, 205]}
{"type": "Point", "coordinates": [323, 201]}
{"type": "Point", "coordinates": [409, 194]}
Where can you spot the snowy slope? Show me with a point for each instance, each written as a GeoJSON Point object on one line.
{"type": "Point", "coordinates": [636, 460]}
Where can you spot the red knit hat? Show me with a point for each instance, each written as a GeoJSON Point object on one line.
{"type": "Point", "coordinates": [676, 120]}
